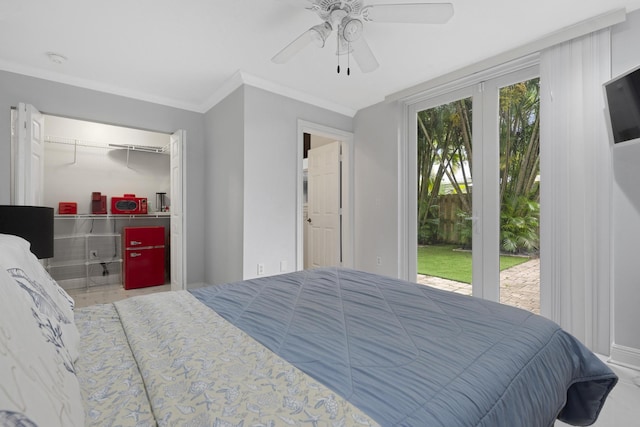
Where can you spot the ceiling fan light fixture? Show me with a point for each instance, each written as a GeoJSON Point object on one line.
{"type": "Point", "coordinates": [351, 29]}
{"type": "Point", "coordinates": [321, 33]}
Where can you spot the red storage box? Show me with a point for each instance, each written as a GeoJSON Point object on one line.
{"type": "Point", "coordinates": [68, 208]}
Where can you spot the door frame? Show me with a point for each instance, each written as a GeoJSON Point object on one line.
{"type": "Point", "coordinates": [484, 88]}
{"type": "Point", "coordinates": [348, 238]}
{"type": "Point", "coordinates": [178, 223]}
{"type": "Point", "coordinates": [491, 180]}
{"type": "Point", "coordinates": [411, 265]}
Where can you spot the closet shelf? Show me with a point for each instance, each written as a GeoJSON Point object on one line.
{"type": "Point", "coordinates": [86, 254]}
{"type": "Point", "coordinates": [119, 216]}
{"type": "Point", "coordinates": [105, 146]}
{"type": "Point", "coordinates": [145, 148]}
{"type": "Point", "coordinates": [109, 260]}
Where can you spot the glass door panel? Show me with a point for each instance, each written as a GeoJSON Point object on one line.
{"type": "Point", "coordinates": [519, 134]}
{"type": "Point", "coordinates": [444, 192]}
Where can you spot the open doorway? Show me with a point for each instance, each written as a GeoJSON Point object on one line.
{"type": "Point", "coordinates": [478, 233]}
{"type": "Point", "coordinates": [63, 163]}
{"type": "Point", "coordinates": [325, 216]}
{"type": "Point", "coordinates": [82, 159]}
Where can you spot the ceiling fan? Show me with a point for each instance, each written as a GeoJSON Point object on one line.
{"type": "Point", "coordinates": [347, 18]}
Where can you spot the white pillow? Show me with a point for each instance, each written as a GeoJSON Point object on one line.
{"type": "Point", "coordinates": [36, 385]}
{"type": "Point", "coordinates": [39, 288]}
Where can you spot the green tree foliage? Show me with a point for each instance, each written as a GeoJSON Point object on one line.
{"type": "Point", "coordinates": [519, 224]}
{"type": "Point", "coordinates": [520, 167]}
{"type": "Point", "coordinates": [520, 140]}
{"type": "Point", "coordinates": [445, 150]}
{"type": "Point", "coordinates": [444, 146]}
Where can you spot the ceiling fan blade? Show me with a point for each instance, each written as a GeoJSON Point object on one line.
{"type": "Point", "coordinates": [294, 47]}
{"type": "Point", "coordinates": [364, 56]}
{"type": "Point", "coordinates": [317, 34]}
{"type": "Point", "coordinates": [419, 13]}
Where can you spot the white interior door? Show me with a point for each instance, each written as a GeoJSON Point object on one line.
{"type": "Point", "coordinates": [178, 232]}
{"type": "Point", "coordinates": [324, 205]}
{"type": "Point", "coordinates": [28, 157]}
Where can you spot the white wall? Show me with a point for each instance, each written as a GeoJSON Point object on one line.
{"type": "Point", "coordinates": [251, 173]}
{"type": "Point", "coordinates": [626, 211]}
{"type": "Point", "coordinates": [73, 173]}
{"type": "Point", "coordinates": [224, 183]}
{"type": "Point", "coordinates": [70, 101]}
{"type": "Point", "coordinates": [271, 167]}
{"type": "Point", "coordinates": [376, 189]}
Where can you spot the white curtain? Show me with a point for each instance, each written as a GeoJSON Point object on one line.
{"type": "Point", "coordinates": [576, 179]}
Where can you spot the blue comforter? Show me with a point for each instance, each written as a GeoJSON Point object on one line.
{"type": "Point", "coordinates": [411, 355]}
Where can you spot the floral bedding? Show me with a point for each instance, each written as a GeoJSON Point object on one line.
{"type": "Point", "coordinates": [110, 382]}
{"type": "Point", "coordinates": [184, 365]}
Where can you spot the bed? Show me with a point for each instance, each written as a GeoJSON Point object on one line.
{"type": "Point", "coordinates": [325, 347]}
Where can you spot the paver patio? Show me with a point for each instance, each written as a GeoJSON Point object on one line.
{"type": "Point", "coordinates": [519, 285]}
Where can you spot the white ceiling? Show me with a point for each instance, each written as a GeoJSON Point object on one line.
{"type": "Point", "coordinates": [187, 53]}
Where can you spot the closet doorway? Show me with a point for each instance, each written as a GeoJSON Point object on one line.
{"type": "Point", "coordinates": [57, 159]}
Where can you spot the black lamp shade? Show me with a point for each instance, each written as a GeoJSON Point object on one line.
{"type": "Point", "coordinates": [32, 223]}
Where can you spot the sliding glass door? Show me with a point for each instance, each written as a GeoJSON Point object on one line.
{"type": "Point", "coordinates": [445, 182]}
{"type": "Point", "coordinates": [519, 117]}
{"type": "Point", "coordinates": [476, 154]}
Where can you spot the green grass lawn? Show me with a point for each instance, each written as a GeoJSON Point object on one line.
{"type": "Point", "coordinates": [443, 261]}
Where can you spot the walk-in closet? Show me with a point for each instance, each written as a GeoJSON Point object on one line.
{"type": "Point", "coordinates": [103, 180]}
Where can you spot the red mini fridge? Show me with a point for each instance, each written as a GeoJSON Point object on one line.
{"type": "Point", "coordinates": [143, 256]}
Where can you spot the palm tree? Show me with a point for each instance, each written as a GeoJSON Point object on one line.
{"type": "Point", "coordinates": [520, 140]}
{"type": "Point", "coordinates": [444, 150]}
{"type": "Point", "coordinates": [520, 166]}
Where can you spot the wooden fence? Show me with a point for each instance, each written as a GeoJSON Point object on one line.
{"type": "Point", "coordinates": [449, 230]}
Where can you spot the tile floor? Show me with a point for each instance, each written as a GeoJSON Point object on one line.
{"type": "Point", "coordinates": [622, 408]}
{"type": "Point", "coordinates": [110, 293]}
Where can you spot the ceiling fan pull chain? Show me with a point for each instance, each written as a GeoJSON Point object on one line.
{"type": "Point", "coordinates": [348, 58]}
{"type": "Point", "coordinates": [338, 41]}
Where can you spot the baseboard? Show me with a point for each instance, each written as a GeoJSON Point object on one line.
{"type": "Point", "coordinates": [625, 356]}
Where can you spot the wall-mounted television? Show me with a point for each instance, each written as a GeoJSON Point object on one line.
{"type": "Point", "coordinates": [623, 104]}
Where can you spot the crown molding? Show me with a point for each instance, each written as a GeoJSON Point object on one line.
{"type": "Point", "coordinates": [232, 83]}
{"type": "Point", "coordinates": [240, 77]}
{"type": "Point", "coordinates": [98, 87]}
{"type": "Point", "coordinates": [527, 50]}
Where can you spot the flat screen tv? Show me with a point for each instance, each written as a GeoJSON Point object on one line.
{"type": "Point", "coordinates": [623, 103]}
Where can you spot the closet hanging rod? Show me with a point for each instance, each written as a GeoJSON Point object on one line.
{"type": "Point", "coordinates": [145, 148]}
{"type": "Point", "coordinates": [91, 144]}
{"type": "Point", "coordinates": [69, 141]}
